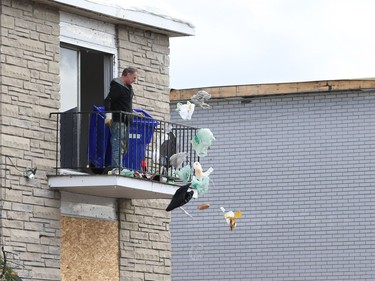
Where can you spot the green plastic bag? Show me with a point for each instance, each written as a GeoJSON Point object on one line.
{"type": "Point", "coordinates": [127, 173]}
{"type": "Point", "coordinates": [184, 173]}
{"type": "Point", "coordinates": [201, 185]}
{"type": "Point", "coordinates": [202, 141]}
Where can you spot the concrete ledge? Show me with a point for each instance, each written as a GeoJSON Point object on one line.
{"type": "Point", "coordinates": [112, 186]}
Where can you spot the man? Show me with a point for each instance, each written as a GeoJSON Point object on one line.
{"type": "Point", "coordinates": [120, 98]}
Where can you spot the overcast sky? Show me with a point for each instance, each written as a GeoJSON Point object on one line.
{"type": "Point", "coordinates": [269, 41]}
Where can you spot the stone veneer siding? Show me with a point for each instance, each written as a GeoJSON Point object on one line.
{"type": "Point", "coordinates": [30, 212]}
{"type": "Point", "coordinates": [29, 75]}
{"type": "Point", "coordinates": [144, 240]}
{"type": "Point", "coordinates": [144, 224]}
{"type": "Point", "coordinates": [149, 52]}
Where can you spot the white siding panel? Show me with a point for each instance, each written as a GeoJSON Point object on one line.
{"type": "Point", "coordinates": [88, 33]}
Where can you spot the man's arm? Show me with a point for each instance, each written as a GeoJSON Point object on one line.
{"type": "Point", "coordinates": [113, 95]}
{"type": "Point", "coordinates": [108, 107]}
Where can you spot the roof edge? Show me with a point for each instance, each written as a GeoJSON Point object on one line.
{"type": "Point", "coordinates": [167, 24]}
{"type": "Point", "coordinates": [252, 90]}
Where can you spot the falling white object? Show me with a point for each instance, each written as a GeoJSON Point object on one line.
{"type": "Point", "coordinates": [199, 171]}
{"type": "Point", "coordinates": [200, 97]}
{"type": "Point", "coordinates": [176, 160]}
{"type": "Point", "coordinates": [185, 110]}
{"type": "Point", "coordinates": [186, 212]}
{"type": "Point", "coordinates": [227, 214]}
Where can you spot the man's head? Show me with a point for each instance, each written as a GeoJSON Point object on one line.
{"type": "Point", "coordinates": [129, 75]}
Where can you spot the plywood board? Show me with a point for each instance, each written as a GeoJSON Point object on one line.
{"type": "Point", "coordinates": [89, 249]}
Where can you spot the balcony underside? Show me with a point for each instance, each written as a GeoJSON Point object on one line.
{"type": "Point", "coordinates": [112, 186]}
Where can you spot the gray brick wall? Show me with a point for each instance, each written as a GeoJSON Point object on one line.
{"type": "Point", "coordinates": [301, 170]}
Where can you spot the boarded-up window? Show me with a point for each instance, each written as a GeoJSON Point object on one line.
{"type": "Point", "coordinates": [89, 249]}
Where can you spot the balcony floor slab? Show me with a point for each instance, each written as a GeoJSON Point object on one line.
{"type": "Point", "coordinates": [113, 186]}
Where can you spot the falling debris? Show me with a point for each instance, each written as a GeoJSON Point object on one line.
{"type": "Point", "coordinates": [201, 179]}
{"type": "Point", "coordinates": [201, 185]}
{"type": "Point", "coordinates": [184, 173]}
{"type": "Point", "coordinates": [185, 110]}
{"type": "Point", "coordinates": [176, 160]}
{"type": "Point", "coordinates": [230, 217]}
{"type": "Point", "coordinates": [202, 141]}
{"type": "Point", "coordinates": [199, 172]}
{"type": "Point", "coordinates": [186, 212]}
{"type": "Point", "coordinates": [203, 206]}
{"type": "Point", "coordinates": [181, 197]}
{"type": "Point", "coordinates": [200, 97]}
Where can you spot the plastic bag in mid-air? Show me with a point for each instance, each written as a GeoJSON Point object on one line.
{"type": "Point", "coordinates": [185, 110]}
{"type": "Point", "coordinates": [184, 173]}
{"type": "Point", "coordinates": [201, 185]}
{"type": "Point", "coordinates": [202, 141]}
{"type": "Point", "coordinates": [177, 159]}
{"type": "Point", "coordinates": [200, 97]}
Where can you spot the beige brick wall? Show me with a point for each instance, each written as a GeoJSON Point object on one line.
{"type": "Point", "coordinates": [29, 78]}
{"type": "Point", "coordinates": [29, 91]}
{"type": "Point", "coordinates": [149, 52]}
{"type": "Point", "coordinates": [145, 252]}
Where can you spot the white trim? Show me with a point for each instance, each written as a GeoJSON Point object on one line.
{"type": "Point", "coordinates": [113, 186]}
{"type": "Point", "coordinates": [145, 13]}
{"type": "Point", "coordinates": [89, 33]}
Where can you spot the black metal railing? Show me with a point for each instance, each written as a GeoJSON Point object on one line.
{"type": "Point", "coordinates": [83, 143]}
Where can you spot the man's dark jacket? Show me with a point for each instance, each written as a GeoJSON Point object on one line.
{"type": "Point", "coordinates": [119, 98]}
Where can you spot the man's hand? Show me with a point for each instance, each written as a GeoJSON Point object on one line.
{"type": "Point", "coordinates": [108, 119]}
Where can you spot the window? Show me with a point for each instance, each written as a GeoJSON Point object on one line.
{"type": "Point", "coordinates": [85, 76]}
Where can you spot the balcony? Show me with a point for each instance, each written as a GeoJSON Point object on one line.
{"type": "Point", "coordinates": [157, 150]}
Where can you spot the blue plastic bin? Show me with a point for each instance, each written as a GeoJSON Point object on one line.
{"type": "Point", "coordinates": [99, 139]}
{"type": "Point", "coordinates": [140, 135]}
